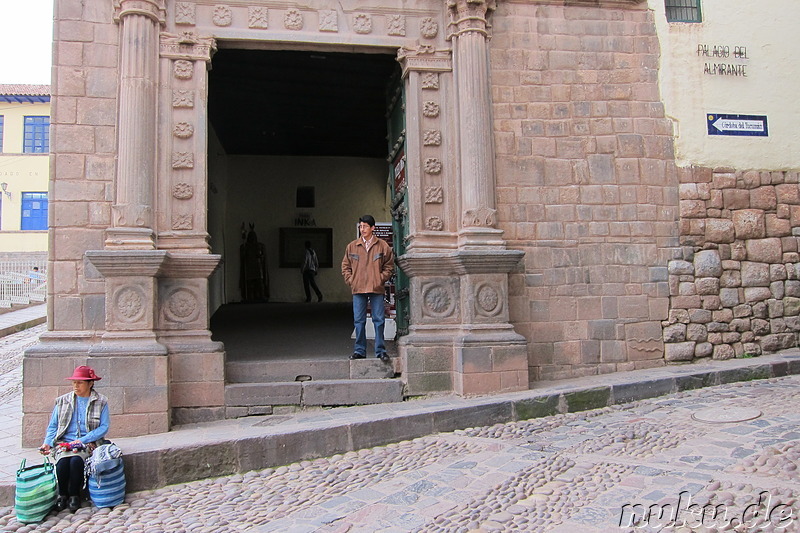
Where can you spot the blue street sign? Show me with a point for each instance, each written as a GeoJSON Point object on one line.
{"type": "Point", "coordinates": [740, 125]}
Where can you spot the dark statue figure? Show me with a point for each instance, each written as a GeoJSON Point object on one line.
{"type": "Point", "coordinates": [253, 275]}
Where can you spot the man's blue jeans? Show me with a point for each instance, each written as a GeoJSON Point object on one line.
{"type": "Point", "coordinates": [360, 322]}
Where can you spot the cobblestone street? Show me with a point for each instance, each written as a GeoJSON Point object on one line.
{"type": "Point", "coordinates": [689, 458]}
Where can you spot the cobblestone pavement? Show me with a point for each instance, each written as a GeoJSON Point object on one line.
{"type": "Point", "coordinates": [683, 457]}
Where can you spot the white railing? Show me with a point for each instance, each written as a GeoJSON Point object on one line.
{"type": "Point", "coordinates": [21, 283]}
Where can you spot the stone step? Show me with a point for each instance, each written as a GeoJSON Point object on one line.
{"type": "Point", "coordinates": [306, 370]}
{"type": "Point", "coordinates": [322, 392]}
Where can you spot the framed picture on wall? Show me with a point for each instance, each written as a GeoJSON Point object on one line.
{"type": "Point", "coordinates": [293, 246]}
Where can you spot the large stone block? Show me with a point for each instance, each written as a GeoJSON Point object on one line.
{"type": "Point", "coordinates": [631, 392]}
{"type": "Point", "coordinates": [584, 400]}
{"type": "Point", "coordinates": [679, 351]}
{"type": "Point", "coordinates": [735, 199]}
{"type": "Point", "coordinates": [245, 394]}
{"type": "Point", "coordinates": [764, 250]}
{"type": "Point", "coordinates": [756, 294]}
{"type": "Point", "coordinates": [720, 230]}
{"type": "Point", "coordinates": [352, 392]}
{"type": "Point", "coordinates": [764, 198]}
{"type": "Point", "coordinates": [779, 341]}
{"type": "Point", "coordinates": [707, 263]}
{"type": "Point", "coordinates": [788, 194]}
{"type": "Point", "coordinates": [749, 224]}
{"type": "Point", "coordinates": [530, 408]}
{"type": "Point", "coordinates": [755, 274]}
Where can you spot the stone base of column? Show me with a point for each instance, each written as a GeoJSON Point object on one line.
{"type": "Point", "coordinates": [136, 385]}
{"type": "Point", "coordinates": [130, 239]}
{"type": "Point", "coordinates": [490, 362]}
{"type": "Point", "coordinates": [197, 381]}
{"type": "Point", "coordinates": [427, 362]}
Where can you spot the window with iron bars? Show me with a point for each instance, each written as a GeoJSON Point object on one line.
{"type": "Point", "coordinates": [683, 10]}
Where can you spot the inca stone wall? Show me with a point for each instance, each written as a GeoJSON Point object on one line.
{"type": "Point", "coordinates": [737, 293]}
{"type": "Point", "coordinates": [586, 184]}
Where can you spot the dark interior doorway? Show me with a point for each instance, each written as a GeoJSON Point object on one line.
{"type": "Point", "coordinates": [292, 103]}
{"type": "Point", "coordinates": [280, 102]}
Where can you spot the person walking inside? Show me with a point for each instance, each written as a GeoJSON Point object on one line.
{"type": "Point", "coordinates": [309, 269]}
{"type": "Point", "coordinates": [367, 264]}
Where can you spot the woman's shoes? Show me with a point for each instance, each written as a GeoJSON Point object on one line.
{"type": "Point", "coordinates": [61, 503]}
{"type": "Point", "coordinates": [74, 503]}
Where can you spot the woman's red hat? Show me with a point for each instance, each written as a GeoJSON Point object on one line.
{"type": "Point", "coordinates": [84, 373]}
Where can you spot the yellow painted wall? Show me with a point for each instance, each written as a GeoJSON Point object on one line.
{"type": "Point", "coordinates": [20, 173]}
{"type": "Point", "coordinates": [767, 30]}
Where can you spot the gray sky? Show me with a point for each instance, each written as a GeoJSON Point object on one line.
{"type": "Point", "coordinates": [26, 41]}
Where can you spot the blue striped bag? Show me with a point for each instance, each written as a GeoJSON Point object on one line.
{"type": "Point", "coordinates": [36, 491]}
{"type": "Point", "coordinates": [106, 476]}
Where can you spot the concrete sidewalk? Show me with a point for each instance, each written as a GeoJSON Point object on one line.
{"type": "Point", "coordinates": [219, 448]}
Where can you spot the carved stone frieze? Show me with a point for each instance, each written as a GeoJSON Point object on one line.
{"type": "Point", "coordinates": [430, 109]}
{"type": "Point", "coordinates": [438, 300]}
{"type": "Point", "coordinates": [434, 194]}
{"type": "Point", "coordinates": [182, 221]}
{"type": "Point", "coordinates": [258, 17]}
{"type": "Point", "coordinates": [129, 304]}
{"type": "Point", "coordinates": [182, 160]}
{"type": "Point", "coordinates": [432, 138]}
{"type": "Point", "coordinates": [432, 165]}
{"type": "Point", "coordinates": [185, 13]}
{"type": "Point", "coordinates": [428, 28]}
{"type": "Point", "coordinates": [182, 191]}
{"type": "Point", "coordinates": [222, 16]}
{"type": "Point", "coordinates": [182, 98]}
{"type": "Point", "coordinates": [293, 20]}
{"type": "Point", "coordinates": [183, 130]}
{"type": "Point", "coordinates": [182, 306]}
{"type": "Point", "coordinates": [187, 46]}
{"type": "Point", "coordinates": [430, 81]}
{"type": "Point", "coordinates": [434, 224]}
{"type": "Point", "coordinates": [328, 20]}
{"type": "Point", "coordinates": [362, 23]}
{"type": "Point", "coordinates": [483, 217]}
{"type": "Point", "coordinates": [396, 25]}
{"type": "Point", "coordinates": [183, 69]}
{"type": "Point", "coordinates": [488, 300]}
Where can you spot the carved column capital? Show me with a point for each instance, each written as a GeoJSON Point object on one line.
{"type": "Point", "coordinates": [188, 46]}
{"type": "Point", "coordinates": [154, 9]}
{"type": "Point", "coordinates": [469, 16]}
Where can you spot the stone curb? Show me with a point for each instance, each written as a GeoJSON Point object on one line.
{"type": "Point", "coordinates": [224, 455]}
{"type": "Point", "coordinates": [157, 468]}
{"type": "Point", "coordinates": [16, 328]}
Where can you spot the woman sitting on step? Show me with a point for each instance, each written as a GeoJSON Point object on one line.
{"type": "Point", "coordinates": [80, 419]}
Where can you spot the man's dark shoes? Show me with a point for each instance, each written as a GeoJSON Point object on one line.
{"type": "Point", "coordinates": [74, 503]}
{"type": "Point", "coordinates": [384, 357]}
{"type": "Point", "coordinates": [358, 356]}
{"type": "Point", "coordinates": [61, 503]}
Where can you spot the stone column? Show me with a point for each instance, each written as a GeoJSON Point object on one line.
{"type": "Point", "coordinates": [488, 356]}
{"type": "Point", "coordinates": [132, 221]}
{"type": "Point", "coordinates": [468, 32]}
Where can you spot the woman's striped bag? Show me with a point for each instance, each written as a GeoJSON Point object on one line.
{"type": "Point", "coordinates": [35, 494]}
{"type": "Point", "coordinates": [106, 476]}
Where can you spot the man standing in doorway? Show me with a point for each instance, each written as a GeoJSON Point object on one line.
{"type": "Point", "coordinates": [368, 263]}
